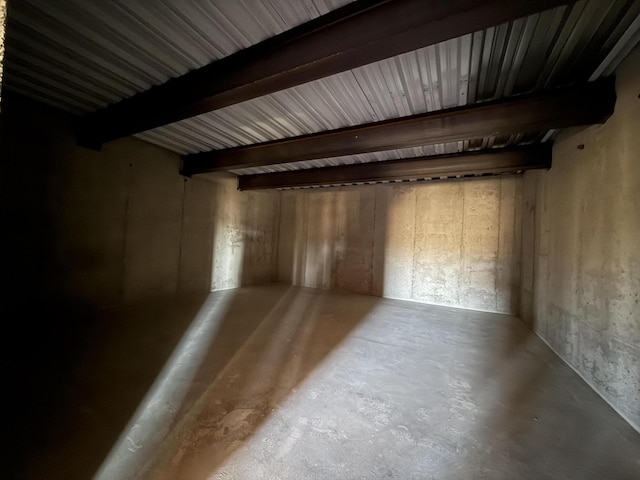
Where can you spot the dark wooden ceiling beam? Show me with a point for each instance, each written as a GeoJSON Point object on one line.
{"type": "Point", "coordinates": [506, 160]}
{"type": "Point", "coordinates": [580, 105]}
{"type": "Point", "coordinates": [357, 34]}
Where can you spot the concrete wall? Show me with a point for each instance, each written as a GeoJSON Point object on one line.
{"type": "Point", "coordinates": [245, 242]}
{"type": "Point", "coordinates": [448, 243]}
{"type": "Point", "coordinates": [581, 255]}
{"type": "Point", "coordinates": [121, 224]}
{"type": "Point", "coordinates": [98, 227]}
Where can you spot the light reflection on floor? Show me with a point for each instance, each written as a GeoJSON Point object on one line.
{"type": "Point", "coordinates": [318, 384]}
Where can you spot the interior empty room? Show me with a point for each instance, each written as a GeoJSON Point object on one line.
{"type": "Point", "coordinates": [320, 239]}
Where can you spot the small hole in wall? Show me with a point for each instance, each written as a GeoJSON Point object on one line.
{"type": "Point", "coordinates": [581, 146]}
{"type": "Point", "coordinates": [131, 164]}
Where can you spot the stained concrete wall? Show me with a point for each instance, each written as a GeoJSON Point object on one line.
{"type": "Point", "coordinates": [245, 244]}
{"type": "Point", "coordinates": [581, 261]}
{"type": "Point", "coordinates": [448, 243]}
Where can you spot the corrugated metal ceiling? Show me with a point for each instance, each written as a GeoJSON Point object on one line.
{"type": "Point", "coordinates": [82, 55]}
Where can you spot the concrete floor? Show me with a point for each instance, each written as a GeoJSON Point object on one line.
{"type": "Point", "coordinates": [280, 382]}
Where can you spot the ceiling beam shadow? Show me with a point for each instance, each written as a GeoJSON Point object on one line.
{"type": "Point", "coordinates": [584, 104]}
{"type": "Point", "coordinates": [357, 34]}
{"type": "Point", "coordinates": [493, 162]}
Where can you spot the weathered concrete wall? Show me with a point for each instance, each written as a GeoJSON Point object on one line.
{"type": "Point", "coordinates": [246, 233]}
{"type": "Point", "coordinates": [581, 255]}
{"type": "Point", "coordinates": [450, 243]}
{"type": "Point", "coordinates": [326, 238]}
{"type": "Point", "coordinates": [98, 227]}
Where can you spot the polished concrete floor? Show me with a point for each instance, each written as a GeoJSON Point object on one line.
{"type": "Point", "coordinates": [280, 382]}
